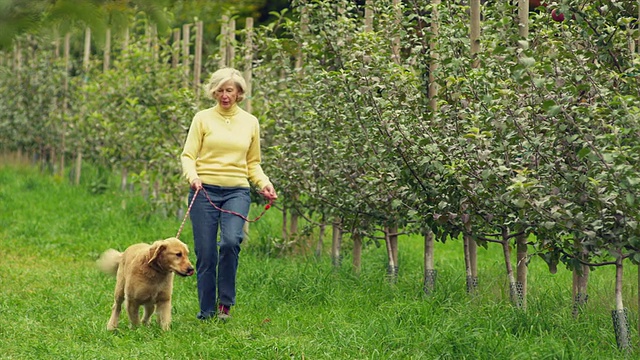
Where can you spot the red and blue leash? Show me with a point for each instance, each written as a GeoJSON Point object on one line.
{"type": "Point", "coordinates": [266, 207]}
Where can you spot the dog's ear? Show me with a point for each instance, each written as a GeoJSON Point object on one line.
{"type": "Point", "coordinates": [156, 249]}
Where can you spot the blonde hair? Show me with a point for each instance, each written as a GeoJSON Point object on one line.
{"type": "Point", "coordinates": [223, 75]}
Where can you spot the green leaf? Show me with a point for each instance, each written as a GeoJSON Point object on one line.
{"type": "Point", "coordinates": [527, 61]}
{"type": "Point", "coordinates": [630, 199]}
{"type": "Point", "coordinates": [584, 152]}
{"type": "Point", "coordinates": [554, 110]}
{"type": "Point", "coordinates": [549, 224]}
{"type": "Point", "coordinates": [547, 104]}
{"type": "Point", "coordinates": [538, 82]}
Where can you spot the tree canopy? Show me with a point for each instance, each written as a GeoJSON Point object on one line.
{"type": "Point", "coordinates": [32, 16]}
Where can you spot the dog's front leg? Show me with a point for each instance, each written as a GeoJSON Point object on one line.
{"type": "Point", "coordinates": [133, 309]}
{"type": "Point", "coordinates": [149, 308]}
{"type": "Point", "coordinates": [164, 314]}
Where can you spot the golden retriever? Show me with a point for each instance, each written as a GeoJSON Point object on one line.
{"type": "Point", "coordinates": [144, 277]}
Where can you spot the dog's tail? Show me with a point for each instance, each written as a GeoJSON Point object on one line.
{"type": "Point", "coordinates": [109, 261]}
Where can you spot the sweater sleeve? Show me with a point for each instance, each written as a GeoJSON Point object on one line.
{"type": "Point", "coordinates": [256, 174]}
{"type": "Point", "coordinates": [191, 150]}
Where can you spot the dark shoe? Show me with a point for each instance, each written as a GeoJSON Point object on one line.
{"type": "Point", "coordinates": [223, 312]}
{"type": "Point", "coordinates": [202, 316]}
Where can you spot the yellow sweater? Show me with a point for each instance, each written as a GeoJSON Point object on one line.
{"type": "Point", "coordinates": [223, 148]}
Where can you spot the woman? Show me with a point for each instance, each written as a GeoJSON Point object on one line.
{"type": "Point", "coordinates": [221, 157]}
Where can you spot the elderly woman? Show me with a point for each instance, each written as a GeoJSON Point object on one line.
{"type": "Point", "coordinates": [222, 157]}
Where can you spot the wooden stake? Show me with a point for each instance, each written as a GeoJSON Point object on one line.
{"type": "Point", "coordinates": [248, 62]}
{"type": "Point", "coordinates": [197, 63]}
{"type": "Point", "coordinates": [433, 66]}
{"type": "Point", "coordinates": [523, 17]}
{"type": "Point", "coordinates": [231, 41]}
{"type": "Point", "coordinates": [521, 240]}
{"type": "Point", "coordinates": [175, 46]}
{"type": "Point", "coordinates": [85, 66]}
{"type": "Point", "coordinates": [395, 48]}
{"type": "Point", "coordinates": [186, 33]}
{"type": "Point", "coordinates": [475, 32]}
{"type": "Point", "coordinates": [368, 15]}
{"type": "Point", "coordinates": [125, 44]}
{"type": "Point", "coordinates": [87, 49]}
{"type": "Point", "coordinates": [304, 29]}
{"type": "Point", "coordinates": [65, 101]}
{"type": "Point", "coordinates": [107, 51]}
{"type": "Point", "coordinates": [223, 42]}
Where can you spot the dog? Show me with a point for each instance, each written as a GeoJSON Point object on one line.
{"type": "Point", "coordinates": [144, 277]}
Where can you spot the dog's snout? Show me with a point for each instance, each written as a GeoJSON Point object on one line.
{"type": "Point", "coordinates": [190, 271]}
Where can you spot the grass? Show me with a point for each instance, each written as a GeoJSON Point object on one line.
{"type": "Point", "coordinates": [54, 304]}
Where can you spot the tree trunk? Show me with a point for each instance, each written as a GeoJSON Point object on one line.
{"type": "Point", "coordinates": [391, 240]}
{"type": "Point", "coordinates": [470, 259]}
{"type": "Point", "coordinates": [285, 221]}
{"type": "Point", "coordinates": [76, 180]}
{"type": "Point", "coordinates": [293, 237]}
{"type": "Point", "coordinates": [144, 183]}
{"type": "Point", "coordinates": [357, 252]}
{"type": "Point", "coordinates": [320, 241]}
{"type": "Point", "coordinates": [336, 243]}
{"type": "Point", "coordinates": [123, 179]}
{"type": "Point", "coordinates": [430, 273]}
{"type": "Point", "coordinates": [580, 281]}
{"type": "Point", "coordinates": [521, 258]}
{"type": "Point", "coordinates": [473, 261]}
{"type": "Point", "coordinates": [156, 189]}
{"type": "Point", "coordinates": [293, 226]}
{"type": "Point", "coordinates": [507, 261]}
{"type": "Point", "coordinates": [394, 249]}
{"type": "Point", "coordinates": [619, 315]}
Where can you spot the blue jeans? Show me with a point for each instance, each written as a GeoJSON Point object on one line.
{"type": "Point", "coordinates": [217, 269]}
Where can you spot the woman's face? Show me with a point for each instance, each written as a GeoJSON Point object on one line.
{"type": "Point", "coordinates": [227, 94]}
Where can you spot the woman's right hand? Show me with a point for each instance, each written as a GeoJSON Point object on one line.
{"type": "Point", "coordinates": [196, 184]}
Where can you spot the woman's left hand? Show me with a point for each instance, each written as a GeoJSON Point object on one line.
{"type": "Point", "coordinates": [269, 192]}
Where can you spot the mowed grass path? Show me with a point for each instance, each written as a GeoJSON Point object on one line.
{"type": "Point", "coordinates": [54, 304]}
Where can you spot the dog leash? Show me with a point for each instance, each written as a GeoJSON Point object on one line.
{"type": "Point", "coordinates": [266, 207]}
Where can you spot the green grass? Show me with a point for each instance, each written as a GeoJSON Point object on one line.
{"type": "Point", "coordinates": [54, 304]}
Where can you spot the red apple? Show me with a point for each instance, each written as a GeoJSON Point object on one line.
{"type": "Point", "coordinates": [557, 16]}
